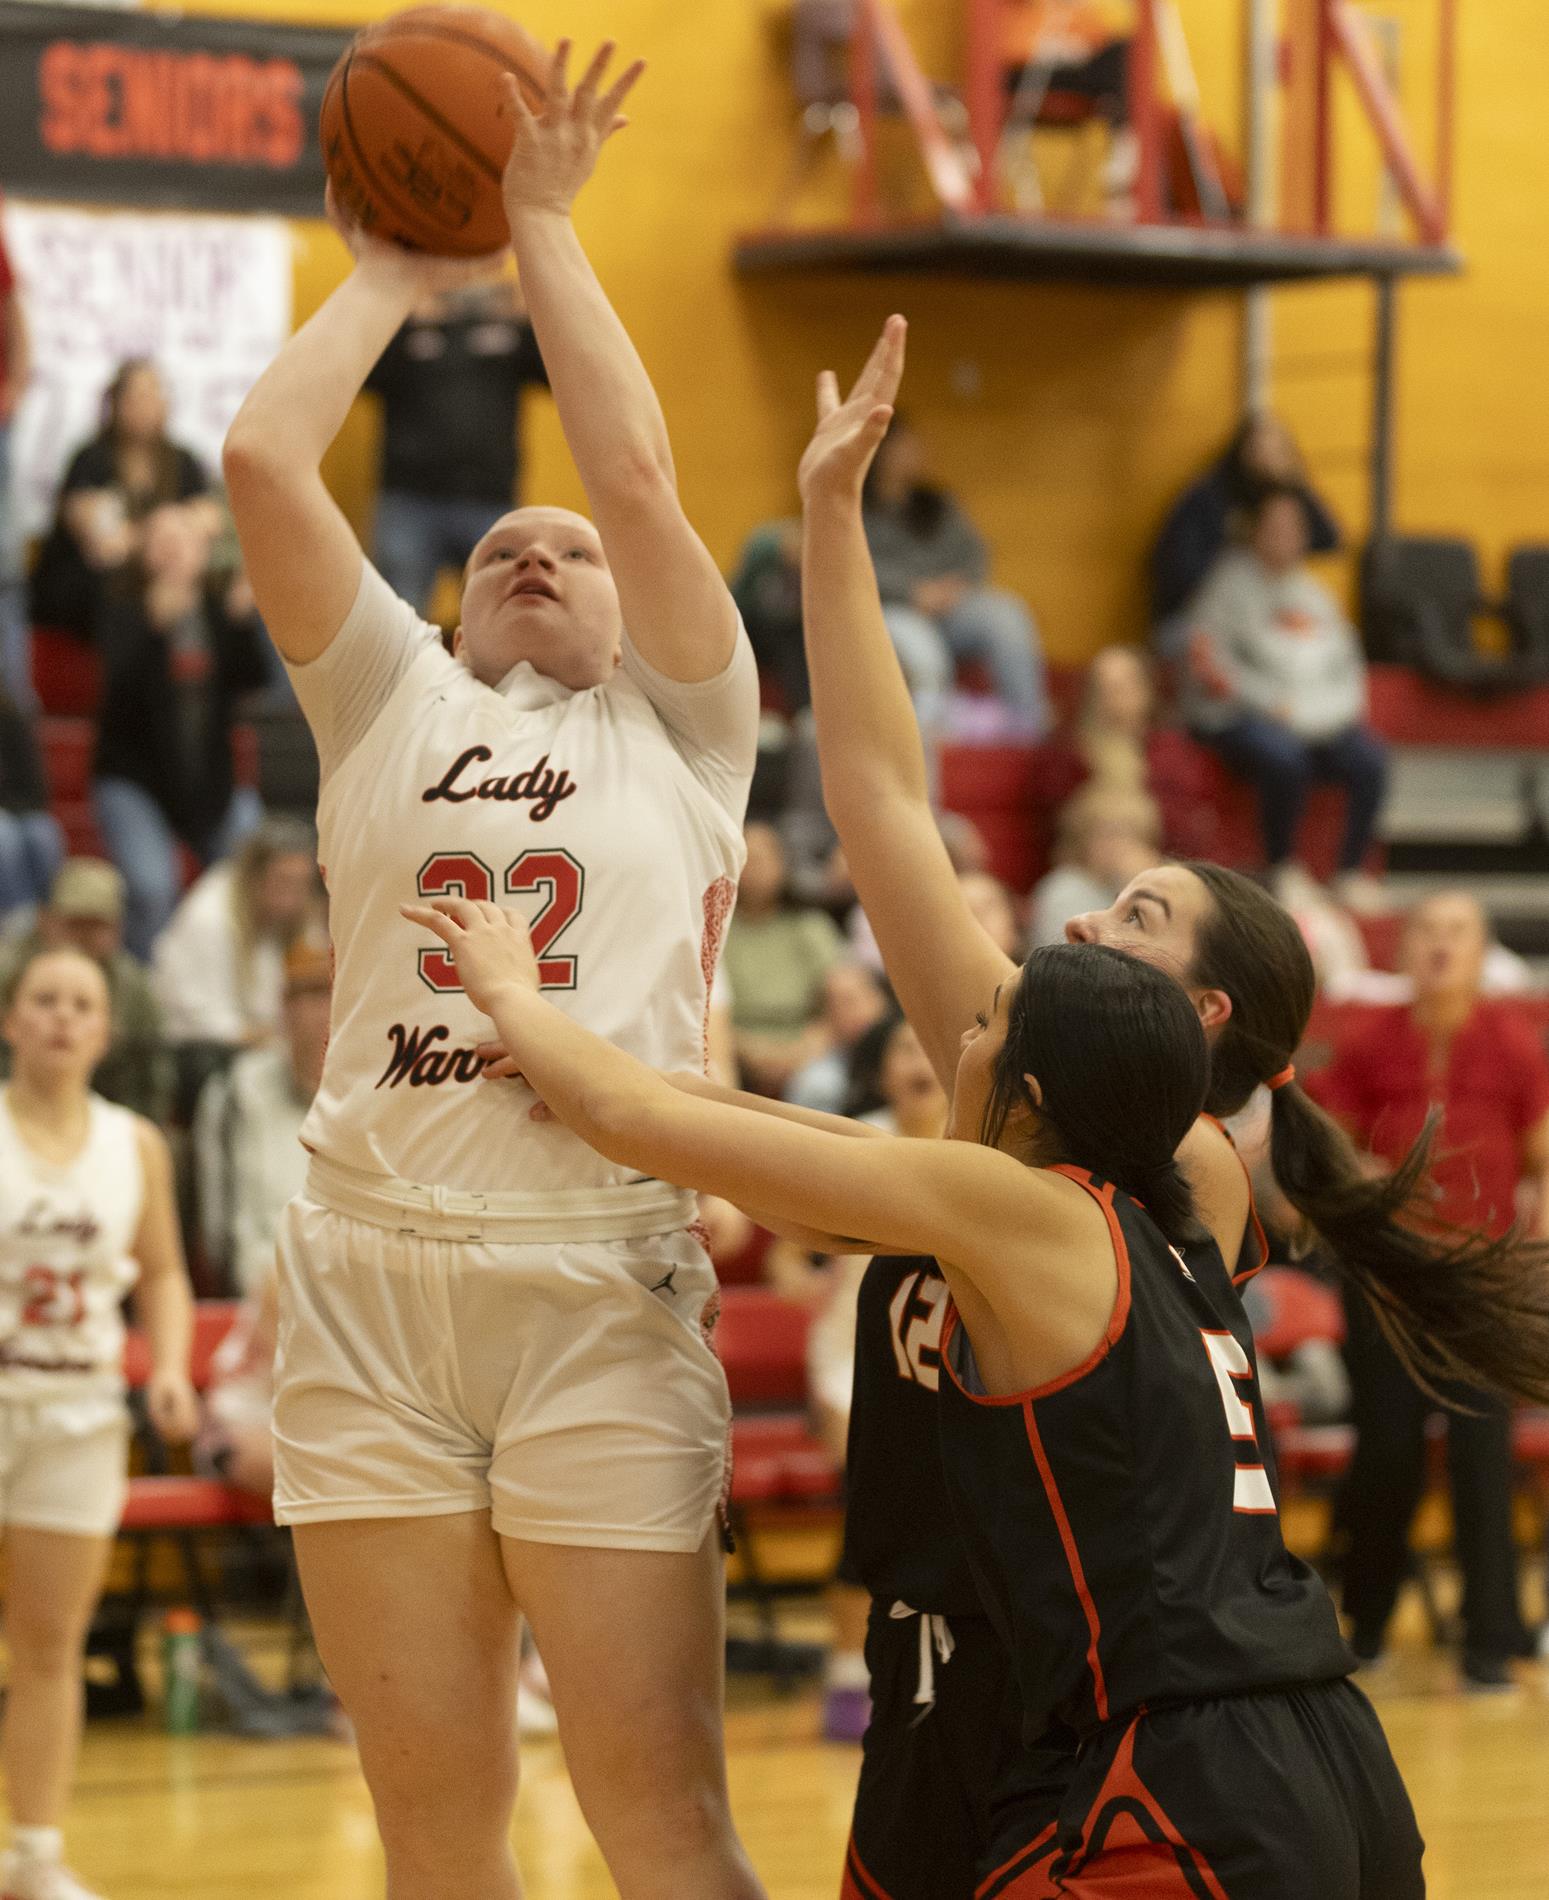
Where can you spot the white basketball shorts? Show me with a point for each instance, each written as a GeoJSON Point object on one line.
{"type": "Point", "coordinates": [64, 1464]}
{"type": "Point", "coordinates": [564, 1386]}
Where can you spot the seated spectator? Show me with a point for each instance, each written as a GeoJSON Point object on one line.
{"type": "Point", "coordinates": [994, 907]}
{"type": "Point", "coordinates": [219, 967]}
{"type": "Point", "coordinates": [1311, 1376]}
{"type": "Point", "coordinates": [892, 1084]}
{"type": "Point", "coordinates": [247, 1128]}
{"type": "Point", "coordinates": [1117, 738]}
{"type": "Point", "coordinates": [237, 1439]}
{"type": "Point", "coordinates": [933, 570]}
{"type": "Point", "coordinates": [1485, 1066]}
{"type": "Point", "coordinates": [853, 999]}
{"type": "Point", "coordinates": [178, 652]}
{"type": "Point", "coordinates": [1106, 836]}
{"type": "Point", "coordinates": [85, 912]}
{"type": "Point", "coordinates": [32, 846]}
{"type": "Point", "coordinates": [1204, 519]}
{"type": "Point", "coordinates": [129, 471]}
{"type": "Point", "coordinates": [777, 955]}
{"type": "Point", "coordinates": [1276, 685]}
{"type": "Point", "coordinates": [767, 590]}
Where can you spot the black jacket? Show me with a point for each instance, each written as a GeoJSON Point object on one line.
{"type": "Point", "coordinates": [141, 737]}
{"type": "Point", "coordinates": [23, 783]}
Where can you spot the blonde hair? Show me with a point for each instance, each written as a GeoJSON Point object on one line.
{"type": "Point", "coordinates": [1105, 803]}
{"type": "Point", "coordinates": [273, 838]}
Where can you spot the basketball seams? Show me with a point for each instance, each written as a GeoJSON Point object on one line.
{"type": "Point", "coordinates": [399, 206]}
{"type": "Point", "coordinates": [443, 125]}
{"type": "Point", "coordinates": [373, 40]}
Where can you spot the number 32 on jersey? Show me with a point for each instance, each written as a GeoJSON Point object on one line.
{"type": "Point", "coordinates": [552, 874]}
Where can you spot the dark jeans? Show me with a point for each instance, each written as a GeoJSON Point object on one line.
{"type": "Point", "coordinates": [417, 535]}
{"type": "Point", "coordinates": [1384, 1488]}
{"type": "Point", "coordinates": [1283, 769]}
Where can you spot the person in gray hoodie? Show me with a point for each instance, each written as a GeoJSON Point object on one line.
{"type": "Point", "coordinates": [1276, 685]}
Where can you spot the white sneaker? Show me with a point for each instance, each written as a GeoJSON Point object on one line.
{"type": "Point", "coordinates": [535, 1717]}
{"type": "Point", "coordinates": [40, 1880]}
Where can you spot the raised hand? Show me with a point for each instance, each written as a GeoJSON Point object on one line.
{"type": "Point", "coordinates": [555, 149]}
{"type": "Point", "coordinates": [849, 433]}
{"type": "Point", "coordinates": [489, 945]}
{"type": "Point", "coordinates": [416, 275]}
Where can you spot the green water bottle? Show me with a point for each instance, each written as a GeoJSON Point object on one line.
{"type": "Point", "coordinates": [180, 1655]}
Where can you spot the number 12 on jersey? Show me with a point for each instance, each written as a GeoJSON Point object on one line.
{"type": "Point", "coordinates": [552, 873]}
{"type": "Point", "coordinates": [1250, 1483]}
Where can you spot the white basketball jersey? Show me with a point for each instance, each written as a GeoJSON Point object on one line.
{"type": "Point", "coordinates": [574, 807]}
{"type": "Point", "coordinates": [65, 1265]}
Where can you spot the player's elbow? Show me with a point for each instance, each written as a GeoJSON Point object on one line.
{"type": "Point", "coordinates": [641, 476]}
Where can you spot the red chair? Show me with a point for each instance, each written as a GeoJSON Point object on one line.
{"type": "Point", "coordinates": [778, 1468]}
{"type": "Point", "coordinates": [183, 1506]}
{"type": "Point", "coordinates": [66, 673]}
{"type": "Point", "coordinates": [1301, 1308]}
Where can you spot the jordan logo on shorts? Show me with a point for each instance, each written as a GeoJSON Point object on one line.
{"type": "Point", "coordinates": [664, 1284]}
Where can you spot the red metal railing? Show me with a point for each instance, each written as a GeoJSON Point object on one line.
{"type": "Point", "coordinates": [963, 176]}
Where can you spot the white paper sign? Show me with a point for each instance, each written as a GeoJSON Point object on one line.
{"type": "Point", "coordinates": [207, 299]}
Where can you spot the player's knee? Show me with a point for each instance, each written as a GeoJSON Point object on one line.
{"type": "Point", "coordinates": [456, 1783]}
{"type": "Point", "coordinates": [43, 1642]}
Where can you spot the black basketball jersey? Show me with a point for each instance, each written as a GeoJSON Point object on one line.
{"type": "Point", "coordinates": [1122, 1521]}
{"type": "Point", "coordinates": [901, 1540]}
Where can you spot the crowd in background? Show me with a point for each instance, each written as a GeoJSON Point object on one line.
{"type": "Point", "coordinates": [207, 915]}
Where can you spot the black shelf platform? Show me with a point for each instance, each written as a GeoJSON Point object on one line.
{"type": "Point", "coordinates": [1124, 256]}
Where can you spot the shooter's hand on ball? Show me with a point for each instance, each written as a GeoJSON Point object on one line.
{"type": "Point", "coordinates": [489, 945]}
{"type": "Point", "coordinates": [414, 276]}
{"type": "Point", "coordinates": [849, 433]}
{"type": "Point", "coordinates": [555, 149]}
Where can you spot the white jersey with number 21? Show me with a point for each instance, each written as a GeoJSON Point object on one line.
{"type": "Point", "coordinates": [611, 817]}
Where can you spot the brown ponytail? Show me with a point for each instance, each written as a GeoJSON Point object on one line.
{"type": "Point", "coordinates": [1456, 1305]}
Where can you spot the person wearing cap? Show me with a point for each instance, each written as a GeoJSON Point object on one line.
{"type": "Point", "coordinates": [85, 911]}
{"type": "Point", "coordinates": [248, 1155]}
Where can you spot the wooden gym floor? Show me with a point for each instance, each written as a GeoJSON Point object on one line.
{"type": "Point", "coordinates": [210, 1818]}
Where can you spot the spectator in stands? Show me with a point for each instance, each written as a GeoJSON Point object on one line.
{"type": "Point", "coordinates": [85, 911]}
{"type": "Point", "coordinates": [1311, 1375]}
{"type": "Point", "coordinates": [32, 845]}
{"type": "Point", "coordinates": [128, 472]}
{"type": "Point", "coordinates": [777, 955]}
{"type": "Point", "coordinates": [1118, 739]}
{"type": "Point", "coordinates": [993, 907]}
{"type": "Point", "coordinates": [247, 1127]}
{"type": "Point", "coordinates": [853, 1000]}
{"type": "Point", "coordinates": [451, 385]}
{"type": "Point", "coordinates": [767, 590]}
{"type": "Point", "coordinates": [219, 966]}
{"type": "Point", "coordinates": [1486, 1067]}
{"type": "Point", "coordinates": [1106, 836]}
{"type": "Point", "coordinates": [15, 368]}
{"type": "Point", "coordinates": [1276, 685]}
{"type": "Point", "coordinates": [892, 1084]}
{"type": "Point", "coordinates": [178, 653]}
{"type": "Point", "coordinates": [933, 571]}
{"type": "Point", "coordinates": [1204, 519]}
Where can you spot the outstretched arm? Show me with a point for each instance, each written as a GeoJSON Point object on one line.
{"type": "Point", "coordinates": [968, 1203]}
{"type": "Point", "coordinates": [676, 606]}
{"type": "Point", "coordinates": [300, 553]}
{"type": "Point", "coordinates": [940, 960]}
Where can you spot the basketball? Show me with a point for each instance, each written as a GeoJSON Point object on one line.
{"type": "Point", "coordinates": [416, 130]}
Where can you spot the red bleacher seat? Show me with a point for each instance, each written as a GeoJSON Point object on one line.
{"type": "Point", "coordinates": [66, 673]}
{"type": "Point", "coordinates": [171, 1504]}
{"type": "Point", "coordinates": [762, 1342]}
{"type": "Point", "coordinates": [213, 1320]}
{"type": "Point", "coordinates": [1301, 1308]}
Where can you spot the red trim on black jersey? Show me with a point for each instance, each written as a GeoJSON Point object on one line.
{"type": "Point", "coordinates": [1118, 1319]}
{"type": "Point", "coordinates": [1051, 1491]}
{"type": "Point", "coordinates": [1129, 1829]}
{"type": "Point", "coordinates": [1242, 1275]}
{"type": "Point", "coordinates": [859, 1884]}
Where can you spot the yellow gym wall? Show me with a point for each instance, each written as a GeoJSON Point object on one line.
{"type": "Point", "coordinates": [1066, 418]}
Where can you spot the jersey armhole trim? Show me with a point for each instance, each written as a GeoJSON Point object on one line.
{"type": "Point", "coordinates": [1118, 1318]}
{"type": "Point", "coordinates": [1260, 1239]}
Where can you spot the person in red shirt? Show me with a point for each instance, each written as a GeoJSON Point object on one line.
{"type": "Point", "coordinates": [15, 367]}
{"type": "Point", "coordinates": [1487, 1069]}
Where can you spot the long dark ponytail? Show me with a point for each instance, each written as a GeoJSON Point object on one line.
{"type": "Point", "coordinates": [1122, 1066]}
{"type": "Point", "coordinates": [1455, 1304]}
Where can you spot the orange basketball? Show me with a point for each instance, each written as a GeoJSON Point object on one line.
{"type": "Point", "coordinates": [416, 130]}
